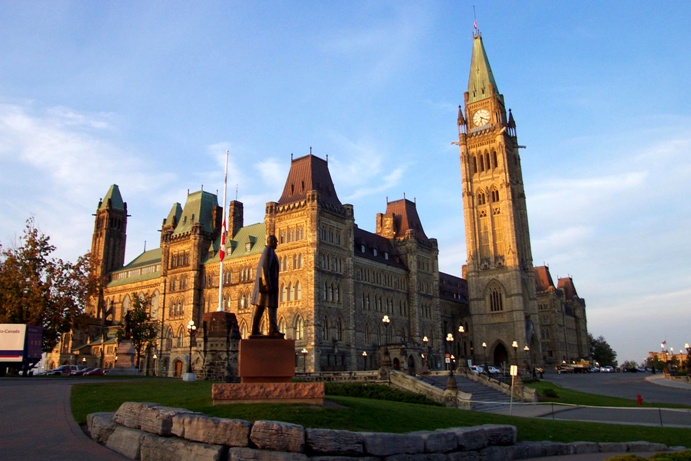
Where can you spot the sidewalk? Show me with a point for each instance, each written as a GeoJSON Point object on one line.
{"type": "Point", "coordinates": [660, 380]}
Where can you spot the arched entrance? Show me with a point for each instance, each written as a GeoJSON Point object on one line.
{"type": "Point", "coordinates": [501, 355]}
{"type": "Point", "coordinates": [396, 364]}
{"type": "Point", "coordinates": [178, 368]}
{"type": "Point", "coordinates": [411, 365]}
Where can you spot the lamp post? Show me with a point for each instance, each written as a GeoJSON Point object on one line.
{"type": "Point", "coordinates": [191, 329]}
{"type": "Point", "coordinates": [461, 351]}
{"type": "Point", "coordinates": [364, 360]}
{"type": "Point", "coordinates": [688, 358]}
{"type": "Point", "coordinates": [484, 351]}
{"type": "Point", "coordinates": [449, 342]}
{"type": "Point", "coordinates": [304, 360]}
{"type": "Point", "coordinates": [526, 351]}
{"type": "Point", "coordinates": [154, 370]}
{"type": "Point", "coordinates": [387, 358]}
{"type": "Point", "coordinates": [425, 342]}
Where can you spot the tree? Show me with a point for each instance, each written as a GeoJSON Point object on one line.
{"type": "Point", "coordinates": [601, 351]}
{"type": "Point", "coordinates": [39, 290]}
{"type": "Point", "coordinates": [140, 328]}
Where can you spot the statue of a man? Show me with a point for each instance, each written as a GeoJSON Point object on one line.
{"type": "Point", "coordinates": [265, 294]}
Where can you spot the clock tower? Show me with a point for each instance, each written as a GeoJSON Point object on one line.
{"type": "Point", "coordinates": [501, 281]}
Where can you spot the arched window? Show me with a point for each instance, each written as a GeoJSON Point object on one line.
{"type": "Point", "coordinates": [299, 328]}
{"type": "Point", "coordinates": [339, 330]}
{"type": "Point", "coordinates": [481, 198]}
{"type": "Point", "coordinates": [284, 293]}
{"type": "Point", "coordinates": [487, 164]}
{"type": "Point", "coordinates": [289, 290]}
{"type": "Point", "coordinates": [496, 299]}
{"type": "Point", "coordinates": [495, 195]}
{"type": "Point", "coordinates": [282, 325]}
{"type": "Point", "coordinates": [244, 331]}
{"type": "Point", "coordinates": [298, 291]}
{"type": "Point", "coordinates": [325, 328]}
{"type": "Point", "coordinates": [495, 164]}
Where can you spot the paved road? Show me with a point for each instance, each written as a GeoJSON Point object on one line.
{"type": "Point", "coordinates": [36, 423]}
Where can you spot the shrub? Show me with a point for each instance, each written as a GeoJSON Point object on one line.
{"type": "Point", "coordinates": [550, 393]}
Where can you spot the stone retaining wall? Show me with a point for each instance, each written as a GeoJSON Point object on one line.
{"type": "Point", "coordinates": [148, 431]}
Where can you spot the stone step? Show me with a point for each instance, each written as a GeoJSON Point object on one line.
{"type": "Point", "coordinates": [484, 398]}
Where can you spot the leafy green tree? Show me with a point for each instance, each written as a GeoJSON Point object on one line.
{"type": "Point", "coordinates": [39, 290]}
{"type": "Point", "coordinates": [139, 327]}
{"type": "Point", "coordinates": [601, 351]}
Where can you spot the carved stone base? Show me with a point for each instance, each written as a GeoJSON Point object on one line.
{"type": "Point", "coordinates": [310, 393]}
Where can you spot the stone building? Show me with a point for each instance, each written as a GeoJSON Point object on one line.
{"type": "Point", "coordinates": [339, 282]}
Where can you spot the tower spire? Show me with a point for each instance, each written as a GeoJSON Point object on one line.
{"type": "Point", "coordinates": [481, 83]}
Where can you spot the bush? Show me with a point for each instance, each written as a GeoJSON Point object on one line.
{"type": "Point", "coordinates": [672, 456]}
{"type": "Point", "coordinates": [378, 392]}
{"type": "Point", "coordinates": [550, 393]}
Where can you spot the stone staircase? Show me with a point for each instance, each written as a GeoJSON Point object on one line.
{"type": "Point", "coordinates": [484, 398]}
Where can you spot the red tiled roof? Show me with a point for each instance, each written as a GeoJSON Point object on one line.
{"type": "Point", "coordinates": [566, 284]}
{"type": "Point", "coordinates": [543, 279]}
{"type": "Point", "coordinates": [309, 173]}
{"type": "Point", "coordinates": [405, 218]}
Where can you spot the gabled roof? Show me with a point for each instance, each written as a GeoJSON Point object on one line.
{"type": "Point", "coordinates": [174, 215]}
{"type": "Point", "coordinates": [566, 284]}
{"type": "Point", "coordinates": [198, 209]}
{"type": "Point", "coordinates": [481, 76]}
{"type": "Point", "coordinates": [376, 248]}
{"type": "Point", "coordinates": [405, 218]}
{"type": "Point", "coordinates": [249, 240]}
{"type": "Point", "coordinates": [309, 173]}
{"type": "Point", "coordinates": [543, 279]}
{"type": "Point", "coordinates": [113, 195]}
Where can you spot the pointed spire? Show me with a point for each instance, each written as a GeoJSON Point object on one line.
{"type": "Point", "coordinates": [461, 119]}
{"type": "Point", "coordinates": [481, 78]}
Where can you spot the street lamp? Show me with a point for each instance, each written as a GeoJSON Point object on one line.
{"type": "Point", "coordinates": [425, 342]}
{"type": "Point", "coordinates": [192, 330]}
{"type": "Point", "coordinates": [155, 357]}
{"type": "Point", "coordinates": [526, 350]}
{"type": "Point", "coordinates": [484, 350]}
{"type": "Point", "coordinates": [387, 358]}
{"type": "Point", "coordinates": [364, 360]}
{"type": "Point", "coordinates": [449, 341]}
{"type": "Point", "coordinates": [304, 360]}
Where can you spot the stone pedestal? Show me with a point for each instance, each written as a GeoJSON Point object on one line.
{"type": "Point", "coordinates": [125, 363]}
{"type": "Point", "coordinates": [266, 360]}
{"type": "Point", "coordinates": [266, 367]}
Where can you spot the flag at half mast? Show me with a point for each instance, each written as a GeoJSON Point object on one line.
{"type": "Point", "coordinates": [222, 250]}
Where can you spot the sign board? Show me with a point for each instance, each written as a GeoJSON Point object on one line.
{"type": "Point", "coordinates": [514, 370]}
{"type": "Point", "coordinates": [447, 360]}
{"type": "Point", "coordinates": [12, 337]}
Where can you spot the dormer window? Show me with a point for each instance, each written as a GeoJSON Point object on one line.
{"type": "Point", "coordinates": [248, 246]}
{"type": "Point", "coordinates": [374, 251]}
{"type": "Point", "coordinates": [386, 255]}
{"type": "Point", "coordinates": [362, 248]}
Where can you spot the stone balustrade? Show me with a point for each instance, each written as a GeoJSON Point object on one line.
{"type": "Point", "coordinates": [148, 431]}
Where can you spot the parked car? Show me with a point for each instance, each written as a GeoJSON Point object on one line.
{"type": "Point", "coordinates": [493, 370]}
{"type": "Point", "coordinates": [607, 369]}
{"type": "Point", "coordinates": [63, 370]}
{"type": "Point", "coordinates": [477, 369]}
{"type": "Point", "coordinates": [95, 372]}
{"type": "Point", "coordinates": [80, 371]}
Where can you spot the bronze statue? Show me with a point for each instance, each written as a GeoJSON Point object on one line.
{"type": "Point", "coordinates": [265, 294]}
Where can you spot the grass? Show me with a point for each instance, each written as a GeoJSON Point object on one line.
{"type": "Point", "coordinates": [550, 392]}
{"type": "Point", "coordinates": [354, 413]}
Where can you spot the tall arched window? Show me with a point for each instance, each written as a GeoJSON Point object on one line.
{"type": "Point", "coordinates": [299, 328]}
{"type": "Point", "coordinates": [284, 293]}
{"type": "Point", "coordinates": [298, 291]}
{"type": "Point", "coordinates": [496, 299]}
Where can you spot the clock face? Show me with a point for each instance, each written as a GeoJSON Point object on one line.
{"type": "Point", "coordinates": [481, 117]}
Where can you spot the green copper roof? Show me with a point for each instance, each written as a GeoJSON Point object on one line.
{"type": "Point", "coordinates": [115, 198]}
{"type": "Point", "coordinates": [198, 208]}
{"type": "Point", "coordinates": [249, 240]}
{"type": "Point", "coordinates": [480, 73]}
{"type": "Point", "coordinates": [174, 215]}
{"type": "Point", "coordinates": [141, 268]}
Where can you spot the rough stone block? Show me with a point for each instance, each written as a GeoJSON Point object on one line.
{"type": "Point", "coordinates": [582, 448]}
{"type": "Point", "coordinates": [418, 457]}
{"type": "Point", "coordinates": [312, 393]}
{"type": "Point", "coordinates": [159, 420]}
{"type": "Point", "coordinates": [500, 434]}
{"type": "Point", "coordinates": [100, 426]}
{"type": "Point", "coordinates": [613, 447]}
{"type": "Point", "coordinates": [496, 453]}
{"type": "Point", "coordinates": [464, 456]}
{"type": "Point", "coordinates": [125, 441]}
{"type": "Point", "coordinates": [645, 447]}
{"type": "Point", "coordinates": [249, 454]}
{"type": "Point", "coordinates": [278, 436]}
{"type": "Point", "coordinates": [470, 438]}
{"type": "Point", "coordinates": [528, 450]}
{"type": "Point", "coordinates": [557, 448]}
{"type": "Point", "coordinates": [129, 414]}
{"type": "Point", "coordinates": [439, 441]}
{"type": "Point", "coordinates": [334, 442]}
{"type": "Point", "coordinates": [154, 448]}
{"type": "Point", "coordinates": [384, 444]}
{"type": "Point", "coordinates": [219, 431]}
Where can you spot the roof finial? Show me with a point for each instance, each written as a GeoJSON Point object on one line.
{"type": "Point", "coordinates": [476, 31]}
{"type": "Point", "coordinates": [236, 192]}
{"type": "Point", "coordinates": [310, 150]}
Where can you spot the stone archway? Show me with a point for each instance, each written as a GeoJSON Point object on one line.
{"type": "Point", "coordinates": [501, 355]}
{"type": "Point", "coordinates": [396, 364]}
{"type": "Point", "coordinates": [178, 368]}
{"type": "Point", "coordinates": [411, 365]}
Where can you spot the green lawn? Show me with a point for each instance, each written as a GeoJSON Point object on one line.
{"type": "Point", "coordinates": [354, 413]}
{"type": "Point", "coordinates": [550, 392]}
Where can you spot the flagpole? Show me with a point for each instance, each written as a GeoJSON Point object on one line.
{"type": "Point", "coordinates": [222, 249]}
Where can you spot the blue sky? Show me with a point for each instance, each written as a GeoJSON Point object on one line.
{"type": "Point", "coordinates": [149, 95]}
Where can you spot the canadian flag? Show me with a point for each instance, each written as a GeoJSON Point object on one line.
{"type": "Point", "coordinates": [222, 253]}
